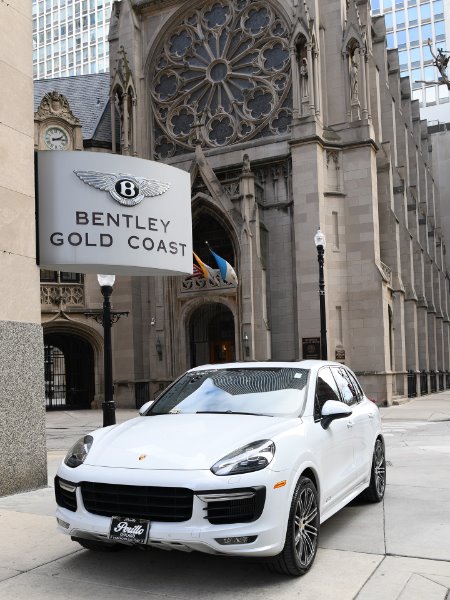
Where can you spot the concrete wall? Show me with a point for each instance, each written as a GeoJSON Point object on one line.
{"type": "Point", "coordinates": [22, 416]}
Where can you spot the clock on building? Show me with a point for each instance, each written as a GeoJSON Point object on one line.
{"type": "Point", "coordinates": [56, 138]}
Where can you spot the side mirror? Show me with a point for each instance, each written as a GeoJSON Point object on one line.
{"type": "Point", "coordinates": [332, 410]}
{"type": "Point", "coordinates": [145, 407]}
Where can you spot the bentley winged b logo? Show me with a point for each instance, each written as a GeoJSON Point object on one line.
{"type": "Point", "coordinates": [127, 190]}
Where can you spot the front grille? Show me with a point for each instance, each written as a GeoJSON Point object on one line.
{"type": "Point", "coordinates": [235, 510]}
{"type": "Point", "coordinates": [143, 502]}
{"type": "Point", "coordinates": [64, 497]}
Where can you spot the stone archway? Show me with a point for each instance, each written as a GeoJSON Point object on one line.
{"type": "Point", "coordinates": [212, 335]}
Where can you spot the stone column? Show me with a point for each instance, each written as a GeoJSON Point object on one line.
{"type": "Point", "coordinates": [311, 76]}
{"type": "Point", "coordinates": [362, 70]}
{"type": "Point", "coordinates": [134, 121]}
{"type": "Point", "coordinates": [252, 279]}
{"type": "Point", "coordinates": [296, 93]}
{"type": "Point", "coordinates": [126, 125]}
{"type": "Point", "coordinates": [113, 122]}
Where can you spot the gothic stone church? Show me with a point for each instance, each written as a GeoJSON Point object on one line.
{"type": "Point", "coordinates": [289, 115]}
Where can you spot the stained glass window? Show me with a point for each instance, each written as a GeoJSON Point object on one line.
{"type": "Point", "coordinates": [222, 76]}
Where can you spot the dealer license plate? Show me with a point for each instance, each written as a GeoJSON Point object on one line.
{"type": "Point", "coordinates": [125, 529]}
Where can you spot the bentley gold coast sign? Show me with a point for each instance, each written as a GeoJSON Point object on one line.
{"type": "Point", "coordinates": [105, 213]}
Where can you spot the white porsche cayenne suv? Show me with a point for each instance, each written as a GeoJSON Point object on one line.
{"type": "Point", "coordinates": [243, 459]}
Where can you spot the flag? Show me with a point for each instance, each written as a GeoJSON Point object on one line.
{"type": "Point", "coordinates": [227, 272]}
{"type": "Point", "coordinates": [196, 272]}
{"type": "Point", "coordinates": [207, 271]}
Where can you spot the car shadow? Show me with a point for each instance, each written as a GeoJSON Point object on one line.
{"type": "Point", "coordinates": [167, 572]}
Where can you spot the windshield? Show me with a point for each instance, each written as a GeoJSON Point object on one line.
{"type": "Point", "coordinates": [258, 391]}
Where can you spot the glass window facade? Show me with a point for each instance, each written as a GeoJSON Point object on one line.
{"type": "Point", "coordinates": [409, 25]}
{"type": "Point", "coordinates": [62, 26]}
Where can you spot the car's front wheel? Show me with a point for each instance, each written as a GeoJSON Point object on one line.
{"type": "Point", "coordinates": [377, 486]}
{"type": "Point", "coordinates": [302, 534]}
{"type": "Point", "coordinates": [98, 545]}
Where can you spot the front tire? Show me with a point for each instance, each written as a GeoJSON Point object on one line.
{"type": "Point", "coordinates": [377, 486]}
{"type": "Point", "coordinates": [302, 536]}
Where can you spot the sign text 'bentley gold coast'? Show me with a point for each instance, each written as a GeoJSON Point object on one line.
{"type": "Point", "coordinates": [104, 213]}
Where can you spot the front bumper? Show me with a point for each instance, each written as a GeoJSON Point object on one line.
{"type": "Point", "coordinates": [195, 533]}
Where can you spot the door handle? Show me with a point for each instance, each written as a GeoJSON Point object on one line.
{"type": "Point", "coordinates": [349, 424]}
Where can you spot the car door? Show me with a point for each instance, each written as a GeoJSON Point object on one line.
{"type": "Point", "coordinates": [334, 445]}
{"type": "Point", "coordinates": [357, 423]}
{"type": "Point", "coordinates": [365, 413]}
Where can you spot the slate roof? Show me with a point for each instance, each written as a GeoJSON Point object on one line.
{"type": "Point", "coordinates": [88, 97]}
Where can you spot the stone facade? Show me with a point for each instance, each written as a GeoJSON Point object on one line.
{"type": "Point", "coordinates": [288, 115]}
{"type": "Point", "coordinates": [22, 416]}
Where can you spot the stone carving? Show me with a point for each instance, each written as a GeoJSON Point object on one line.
{"type": "Point", "coordinates": [54, 104]}
{"type": "Point", "coordinates": [197, 284]}
{"type": "Point", "coordinates": [354, 79]}
{"type": "Point", "coordinates": [222, 76]}
{"type": "Point", "coordinates": [333, 181]}
{"type": "Point", "coordinates": [70, 295]}
{"type": "Point", "coordinates": [246, 164]}
{"type": "Point", "coordinates": [386, 273]}
{"type": "Point", "coordinates": [304, 79]}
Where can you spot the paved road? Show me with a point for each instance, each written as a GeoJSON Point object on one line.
{"type": "Point", "coordinates": [399, 549]}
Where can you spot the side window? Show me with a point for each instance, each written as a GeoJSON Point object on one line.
{"type": "Point", "coordinates": [326, 389]}
{"type": "Point", "coordinates": [354, 381]}
{"type": "Point", "coordinates": [347, 388]}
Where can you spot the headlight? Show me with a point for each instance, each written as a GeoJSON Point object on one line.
{"type": "Point", "coordinates": [253, 457]}
{"type": "Point", "coordinates": [77, 455]}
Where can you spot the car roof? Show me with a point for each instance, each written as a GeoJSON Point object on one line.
{"type": "Point", "coordinates": [312, 365]}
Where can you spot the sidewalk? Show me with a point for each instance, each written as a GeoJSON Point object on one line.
{"type": "Point", "coordinates": [395, 550]}
{"type": "Point", "coordinates": [434, 407]}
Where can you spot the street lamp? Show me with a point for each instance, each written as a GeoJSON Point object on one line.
{"type": "Point", "coordinates": [319, 240]}
{"type": "Point", "coordinates": [108, 317]}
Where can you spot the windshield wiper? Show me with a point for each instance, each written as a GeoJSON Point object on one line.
{"type": "Point", "coordinates": [230, 412]}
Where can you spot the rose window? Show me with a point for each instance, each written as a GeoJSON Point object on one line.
{"type": "Point", "coordinates": [222, 76]}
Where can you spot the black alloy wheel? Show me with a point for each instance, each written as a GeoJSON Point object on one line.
{"type": "Point", "coordinates": [377, 486]}
{"type": "Point", "coordinates": [302, 536]}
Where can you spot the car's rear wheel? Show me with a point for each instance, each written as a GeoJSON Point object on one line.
{"type": "Point", "coordinates": [302, 534]}
{"type": "Point", "coordinates": [377, 486]}
{"type": "Point", "coordinates": [98, 545]}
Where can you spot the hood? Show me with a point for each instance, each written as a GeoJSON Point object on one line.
{"type": "Point", "coordinates": [181, 441]}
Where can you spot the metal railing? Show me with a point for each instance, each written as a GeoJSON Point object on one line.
{"type": "Point", "coordinates": [423, 383]}
{"type": "Point", "coordinates": [412, 384]}
{"type": "Point", "coordinates": [433, 382]}
{"type": "Point", "coordinates": [141, 393]}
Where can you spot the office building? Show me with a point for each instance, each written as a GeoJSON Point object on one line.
{"type": "Point", "coordinates": [409, 25]}
{"type": "Point", "coordinates": [70, 37]}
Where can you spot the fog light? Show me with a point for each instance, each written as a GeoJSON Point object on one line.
{"type": "Point", "coordinates": [63, 523]}
{"type": "Point", "coordinates": [243, 539]}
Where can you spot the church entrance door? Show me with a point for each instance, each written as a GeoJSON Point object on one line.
{"type": "Point", "coordinates": [212, 335]}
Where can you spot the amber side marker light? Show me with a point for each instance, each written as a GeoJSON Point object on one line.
{"type": "Point", "coordinates": [280, 484]}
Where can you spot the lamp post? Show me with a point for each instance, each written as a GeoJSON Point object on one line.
{"type": "Point", "coordinates": [319, 240]}
{"type": "Point", "coordinates": [107, 318]}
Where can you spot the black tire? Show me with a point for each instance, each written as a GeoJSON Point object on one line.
{"type": "Point", "coordinates": [302, 535]}
{"type": "Point", "coordinates": [98, 545]}
{"type": "Point", "coordinates": [377, 486]}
